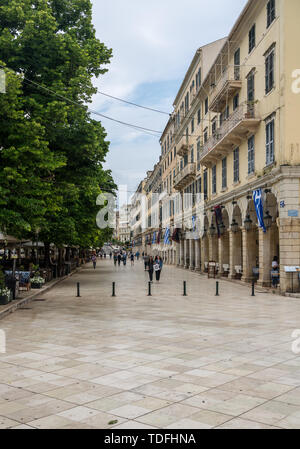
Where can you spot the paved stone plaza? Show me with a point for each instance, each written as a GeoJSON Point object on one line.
{"type": "Point", "coordinates": [150, 362]}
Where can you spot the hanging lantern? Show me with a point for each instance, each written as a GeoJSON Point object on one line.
{"type": "Point", "coordinates": [248, 223]}
{"type": "Point", "coordinates": [234, 226]}
{"type": "Point", "coordinates": [222, 228]}
{"type": "Point", "coordinates": [212, 230]}
{"type": "Point", "coordinates": [268, 219]}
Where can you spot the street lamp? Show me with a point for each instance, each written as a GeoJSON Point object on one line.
{"type": "Point", "coordinates": [234, 226]}
{"type": "Point", "coordinates": [268, 219]}
{"type": "Point", "coordinates": [248, 223]}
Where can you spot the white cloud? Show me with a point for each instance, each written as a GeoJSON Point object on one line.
{"type": "Point", "coordinates": [153, 42]}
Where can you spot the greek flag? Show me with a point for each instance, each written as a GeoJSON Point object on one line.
{"type": "Point", "coordinates": [154, 238]}
{"type": "Point", "coordinates": [257, 198]}
{"type": "Point", "coordinates": [167, 237]}
{"type": "Point", "coordinates": [194, 223]}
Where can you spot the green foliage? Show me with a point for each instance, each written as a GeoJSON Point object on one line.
{"type": "Point", "coordinates": [52, 151]}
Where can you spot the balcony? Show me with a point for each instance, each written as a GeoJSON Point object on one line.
{"type": "Point", "coordinates": [185, 176]}
{"type": "Point", "coordinates": [231, 133]}
{"type": "Point", "coordinates": [226, 87]}
{"type": "Point", "coordinates": [183, 145]}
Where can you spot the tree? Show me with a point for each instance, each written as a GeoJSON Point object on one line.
{"type": "Point", "coordinates": [26, 164]}
{"type": "Point", "coordinates": [53, 44]}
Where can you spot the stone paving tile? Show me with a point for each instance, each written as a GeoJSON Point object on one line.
{"type": "Point", "coordinates": [164, 362]}
{"type": "Point", "coordinates": [239, 423]}
{"type": "Point", "coordinates": [104, 421]}
{"type": "Point", "coordinates": [50, 422]}
{"type": "Point", "coordinates": [168, 415]}
{"type": "Point", "coordinates": [6, 423]}
{"type": "Point", "coordinates": [133, 425]}
{"type": "Point", "coordinates": [272, 413]}
{"type": "Point", "coordinates": [79, 413]}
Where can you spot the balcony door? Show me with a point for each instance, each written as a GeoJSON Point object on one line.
{"type": "Point", "coordinates": [237, 63]}
{"type": "Point", "coordinates": [251, 93]}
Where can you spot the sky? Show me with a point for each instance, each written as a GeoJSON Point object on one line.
{"type": "Point", "coordinates": [153, 45]}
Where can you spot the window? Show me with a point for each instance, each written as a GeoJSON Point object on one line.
{"type": "Point", "coordinates": [192, 154]}
{"type": "Point", "coordinates": [171, 155]}
{"type": "Point", "coordinates": [270, 80]}
{"type": "Point", "coordinates": [205, 184]}
{"type": "Point", "coordinates": [251, 151]}
{"type": "Point", "coordinates": [185, 159]}
{"type": "Point", "coordinates": [270, 125]}
{"type": "Point", "coordinates": [192, 126]}
{"type": "Point", "coordinates": [250, 86]}
{"type": "Point", "coordinates": [205, 135]}
{"type": "Point", "coordinates": [199, 116]}
{"type": "Point", "coordinates": [252, 38]}
{"type": "Point", "coordinates": [206, 106]}
{"type": "Point", "coordinates": [198, 79]}
{"type": "Point", "coordinates": [236, 99]}
{"type": "Point", "coordinates": [271, 12]}
{"type": "Point", "coordinates": [174, 151]}
{"type": "Point", "coordinates": [224, 173]}
{"type": "Point", "coordinates": [214, 126]}
{"type": "Point", "coordinates": [236, 165]}
{"type": "Point", "coordinates": [226, 113]}
{"type": "Point", "coordinates": [198, 148]}
{"type": "Point", "coordinates": [199, 185]}
{"type": "Point", "coordinates": [214, 179]}
{"type": "Point", "coordinates": [237, 63]}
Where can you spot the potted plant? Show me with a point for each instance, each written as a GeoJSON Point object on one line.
{"type": "Point", "coordinates": [5, 295]}
{"type": "Point", "coordinates": [37, 281]}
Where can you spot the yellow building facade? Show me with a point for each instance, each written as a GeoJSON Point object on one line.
{"type": "Point", "coordinates": [233, 134]}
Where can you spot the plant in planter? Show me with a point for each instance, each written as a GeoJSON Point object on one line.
{"type": "Point", "coordinates": [37, 281]}
{"type": "Point", "coordinates": [5, 295]}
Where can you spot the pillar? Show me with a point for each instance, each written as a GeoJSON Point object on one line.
{"type": "Point", "coordinates": [235, 251]}
{"type": "Point", "coordinates": [289, 238]}
{"type": "Point", "coordinates": [197, 256]}
{"type": "Point", "coordinates": [186, 254]}
{"type": "Point", "coordinates": [249, 254]}
{"type": "Point", "coordinates": [192, 254]}
{"type": "Point", "coordinates": [265, 258]}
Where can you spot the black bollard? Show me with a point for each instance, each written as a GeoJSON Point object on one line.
{"type": "Point", "coordinates": [217, 288]}
{"type": "Point", "coordinates": [184, 288]}
{"type": "Point", "coordinates": [113, 289]}
{"type": "Point", "coordinates": [78, 290]}
{"type": "Point", "coordinates": [149, 289]}
{"type": "Point", "coordinates": [253, 288]}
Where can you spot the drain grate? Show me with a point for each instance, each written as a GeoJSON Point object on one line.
{"type": "Point", "coordinates": [40, 300]}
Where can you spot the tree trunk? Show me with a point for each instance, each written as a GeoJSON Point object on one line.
{"type": "Point", "coordinates": [47, 254]}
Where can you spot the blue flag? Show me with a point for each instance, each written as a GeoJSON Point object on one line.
{"type": "Point", "coordinates": [257, 198]}
{"type": "Point", "coordinates": [154, 238]}
{"type": "Point", "coordinates": [166, 238]}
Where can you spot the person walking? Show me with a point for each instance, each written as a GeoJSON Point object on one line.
{"type": "Point", "coordinates": [275, 272]}
{"type": "Point", "coordinates": [124, 259]}
{"type": "Point", "coordinates": [150, 268]}
{"type": "Point", "coordinates": [158, 265]}
{"type": "Point", "coordinates": [132, 259]}
{"type": "Point", "coordinates": [119, 259]}
{"type": "Point", "coordinates": [137, 255]}
{"type": "Point", "coordinates": [146, 261]}
{"type": "Point", "coordinates": [110, 255]}
{"type": "Point", "coordinates": [115, 259]}
{"type": "Point", "coordinates": [94, 260]}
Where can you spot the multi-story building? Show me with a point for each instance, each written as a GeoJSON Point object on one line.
{"type": "Point", "coordinates": [124, 223]}
{"type": "Point", "coordinates": [233, 136]}
{"type": "Point", "coordinates": [236, 133]}
{"type": "Point", "coordinates": [137, 217]}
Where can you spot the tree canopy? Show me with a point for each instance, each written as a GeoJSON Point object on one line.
{"type": "Point", "coordinates": [52, 150]}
